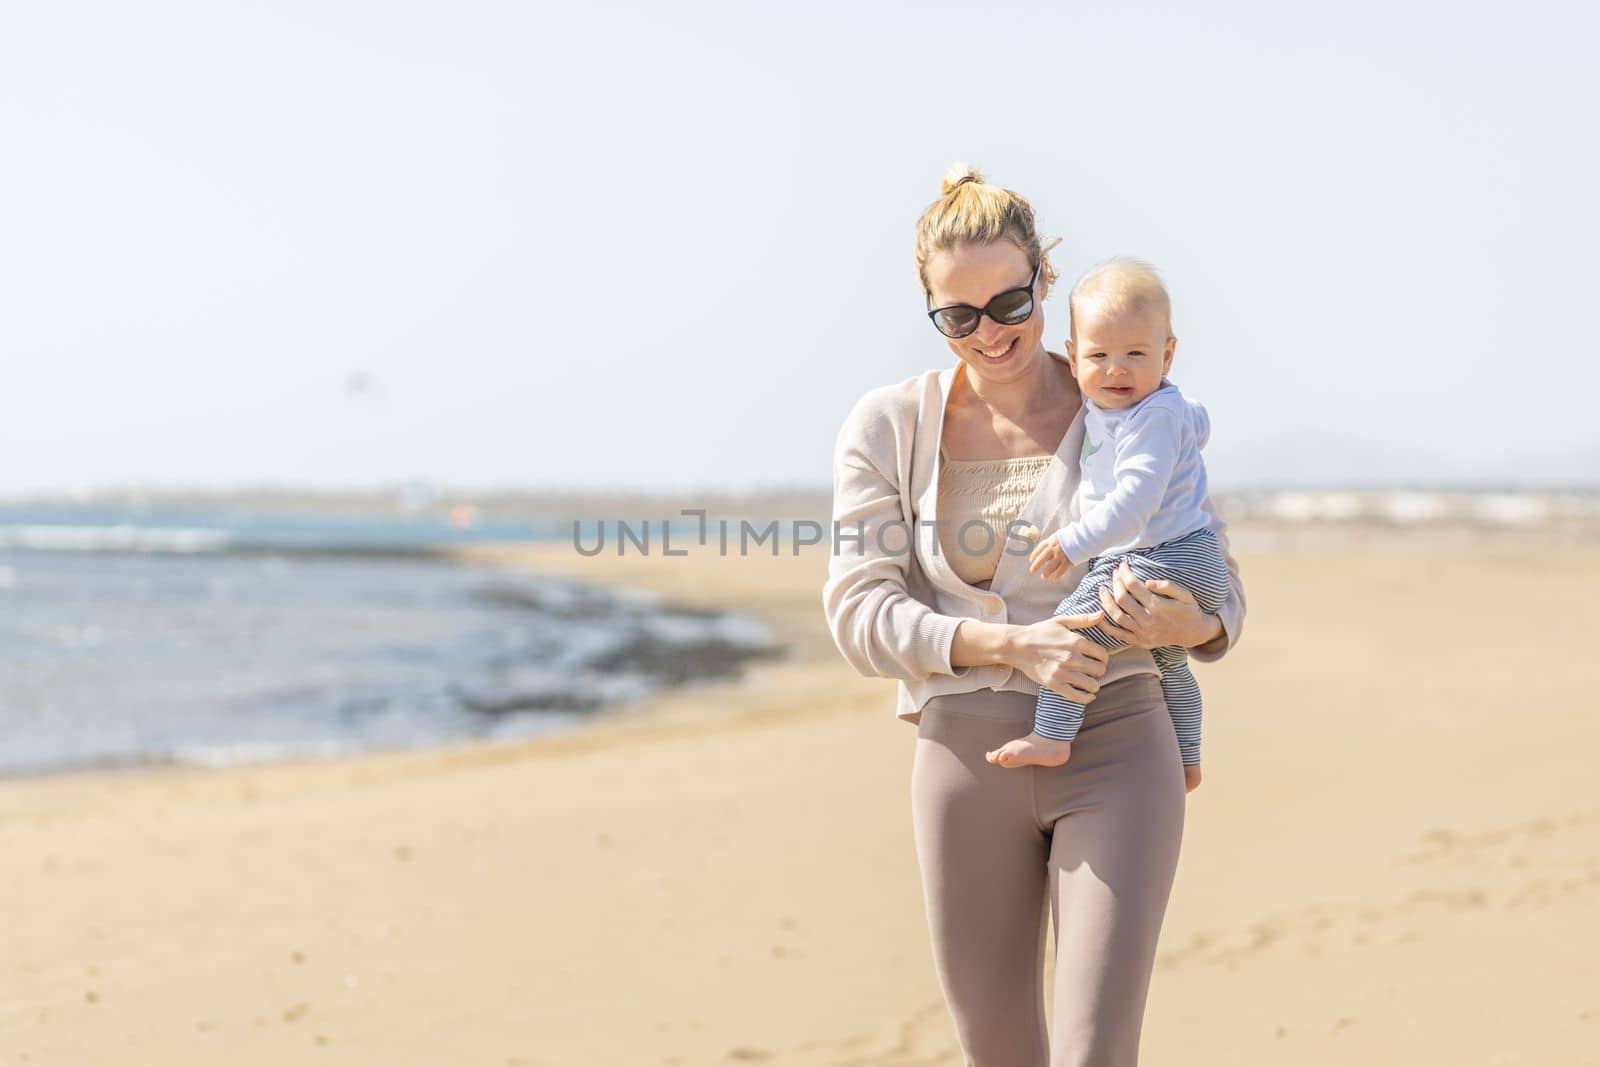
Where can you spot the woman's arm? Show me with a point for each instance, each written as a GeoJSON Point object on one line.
{"type": "Point", "coordinates": [1047, 651]}
{"type": "Point", "coordinates": [1230, 615]}
{"type": "Point", "coordinates": [978, 644]}
{"type": "Point", "coordinates": [881, 630]}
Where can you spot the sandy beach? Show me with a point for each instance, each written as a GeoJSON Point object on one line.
{"type": "Point", "coordinates": [1394, 858]}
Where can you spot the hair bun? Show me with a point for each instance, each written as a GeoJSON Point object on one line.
{"type": "Point", "coordinates": [957, 176]}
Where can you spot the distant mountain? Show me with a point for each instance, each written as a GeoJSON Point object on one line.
{"type": "Point", "coordinates": [1319, 460]}
{"type": "Point", "coordinates": [1578, 466]}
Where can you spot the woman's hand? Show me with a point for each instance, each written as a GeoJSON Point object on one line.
{"type": "Point", "coordinates": [1154, 614]}
{"type": "Point", "coordinates": [1052, 655]}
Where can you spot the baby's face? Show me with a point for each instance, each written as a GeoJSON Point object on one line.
{"type": "Point", "coordinates": [1119, 359]}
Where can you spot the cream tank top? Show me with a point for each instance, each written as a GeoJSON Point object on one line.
{"type": "Point", "coordinates": [992, 491]}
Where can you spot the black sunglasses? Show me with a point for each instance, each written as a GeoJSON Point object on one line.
{"type": "Point", "coordinates": [1008, 309]}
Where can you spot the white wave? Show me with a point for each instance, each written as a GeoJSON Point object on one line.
{"type": "Point", "coordinates": [1411, 507]}
{"type": "Point", "coordinates": [1313, 507]}
{"type": "Point", "coordinates": [1408, 508]}
{"type": "Point", "coordinates": [127, 538]}
{"type": "Point", "coordinates": [1513, 509]}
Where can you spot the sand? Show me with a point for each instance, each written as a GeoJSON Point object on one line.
{"type": "Point", "coordinates": [1394, 859]}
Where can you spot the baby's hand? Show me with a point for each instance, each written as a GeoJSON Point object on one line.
{"type": "Point", "coordinates": [1048, 560]}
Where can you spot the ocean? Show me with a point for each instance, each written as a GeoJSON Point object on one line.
{"type": "Point", "coordinates": [136, 638]}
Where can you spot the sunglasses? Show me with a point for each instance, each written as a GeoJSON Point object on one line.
{"type": "Point", "coordinates": [1008, 309]}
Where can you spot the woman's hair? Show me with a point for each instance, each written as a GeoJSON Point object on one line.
{"type": "Point", "coordinates": [971, 211]}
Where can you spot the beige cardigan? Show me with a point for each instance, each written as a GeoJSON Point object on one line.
{"type": "Point", "coordinates": [893, 611]}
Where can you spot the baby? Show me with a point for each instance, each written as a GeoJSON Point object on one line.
{"type": "Point", "coordinates": [1139, 498]}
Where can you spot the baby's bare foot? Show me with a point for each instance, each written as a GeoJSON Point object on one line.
{"type": "Point", "coordinates": [1032, 750]}
{"type": "Point", "coordinates": [1191, 777]}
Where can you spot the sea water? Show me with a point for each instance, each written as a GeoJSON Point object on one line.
{"type": "Point", "coordinates": [212, 640]}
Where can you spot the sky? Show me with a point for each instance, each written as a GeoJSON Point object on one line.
{"type": "Point", "coordinates": [666, 247]}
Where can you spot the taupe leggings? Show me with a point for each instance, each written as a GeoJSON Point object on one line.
{"type": "Point", "coordinates": [1097, 837]}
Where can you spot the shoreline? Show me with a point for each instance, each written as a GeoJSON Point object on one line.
{"type": "Point", "coordinates": [668, 712]}
{"type": "Point", "coordinates": [542, 558]}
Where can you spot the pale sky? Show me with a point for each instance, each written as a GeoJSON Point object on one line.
{"type": "Point", "coordinates": [668, 246]}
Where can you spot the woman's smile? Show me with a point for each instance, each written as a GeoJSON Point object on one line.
{"type": "Point", "coordinates": [999, 357]}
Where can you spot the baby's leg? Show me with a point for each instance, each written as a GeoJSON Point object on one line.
{"type": "Point", "coordinates": [1056, 719]}
{"type": "Point", "coordinates": [1194, 561]}
{"type": "Point", "coordinates": [1182, 693]}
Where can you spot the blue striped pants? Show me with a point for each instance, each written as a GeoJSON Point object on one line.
{"type": "Point", "coordinates": [1194, 561]}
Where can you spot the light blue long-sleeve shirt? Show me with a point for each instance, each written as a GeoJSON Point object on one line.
{"type": "Point", "coordinates": [1143, 481]}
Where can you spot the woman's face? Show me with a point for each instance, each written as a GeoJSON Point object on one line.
{"type": "Point", "coordinates": [975, 274]}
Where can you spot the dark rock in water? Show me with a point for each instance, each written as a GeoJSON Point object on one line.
{"type": "Point", "coordinates": [642, 655]}
{"type": "Point", "coordinates": [547, 701]}
{"type": "Point", "coordinates": [675, 664]}
{"type": "Point", "coordinates": [578, 605]}
{"type": "Point", "coordinates": [668, 609]}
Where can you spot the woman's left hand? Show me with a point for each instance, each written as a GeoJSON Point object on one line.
{"type": "Point", "coordinates": [1154, 614]}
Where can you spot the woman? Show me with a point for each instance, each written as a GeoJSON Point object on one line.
{"type": "Point", "coordinates": [917, 592]}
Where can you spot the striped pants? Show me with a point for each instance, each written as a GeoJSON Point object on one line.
{"type": "Point", "coordinates": [1194, 561]}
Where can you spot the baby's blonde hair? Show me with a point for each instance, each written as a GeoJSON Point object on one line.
{"type": "Point", "coordinates": [1121, 286]}
{"type": "Point", "coordinates": [971, 211]}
